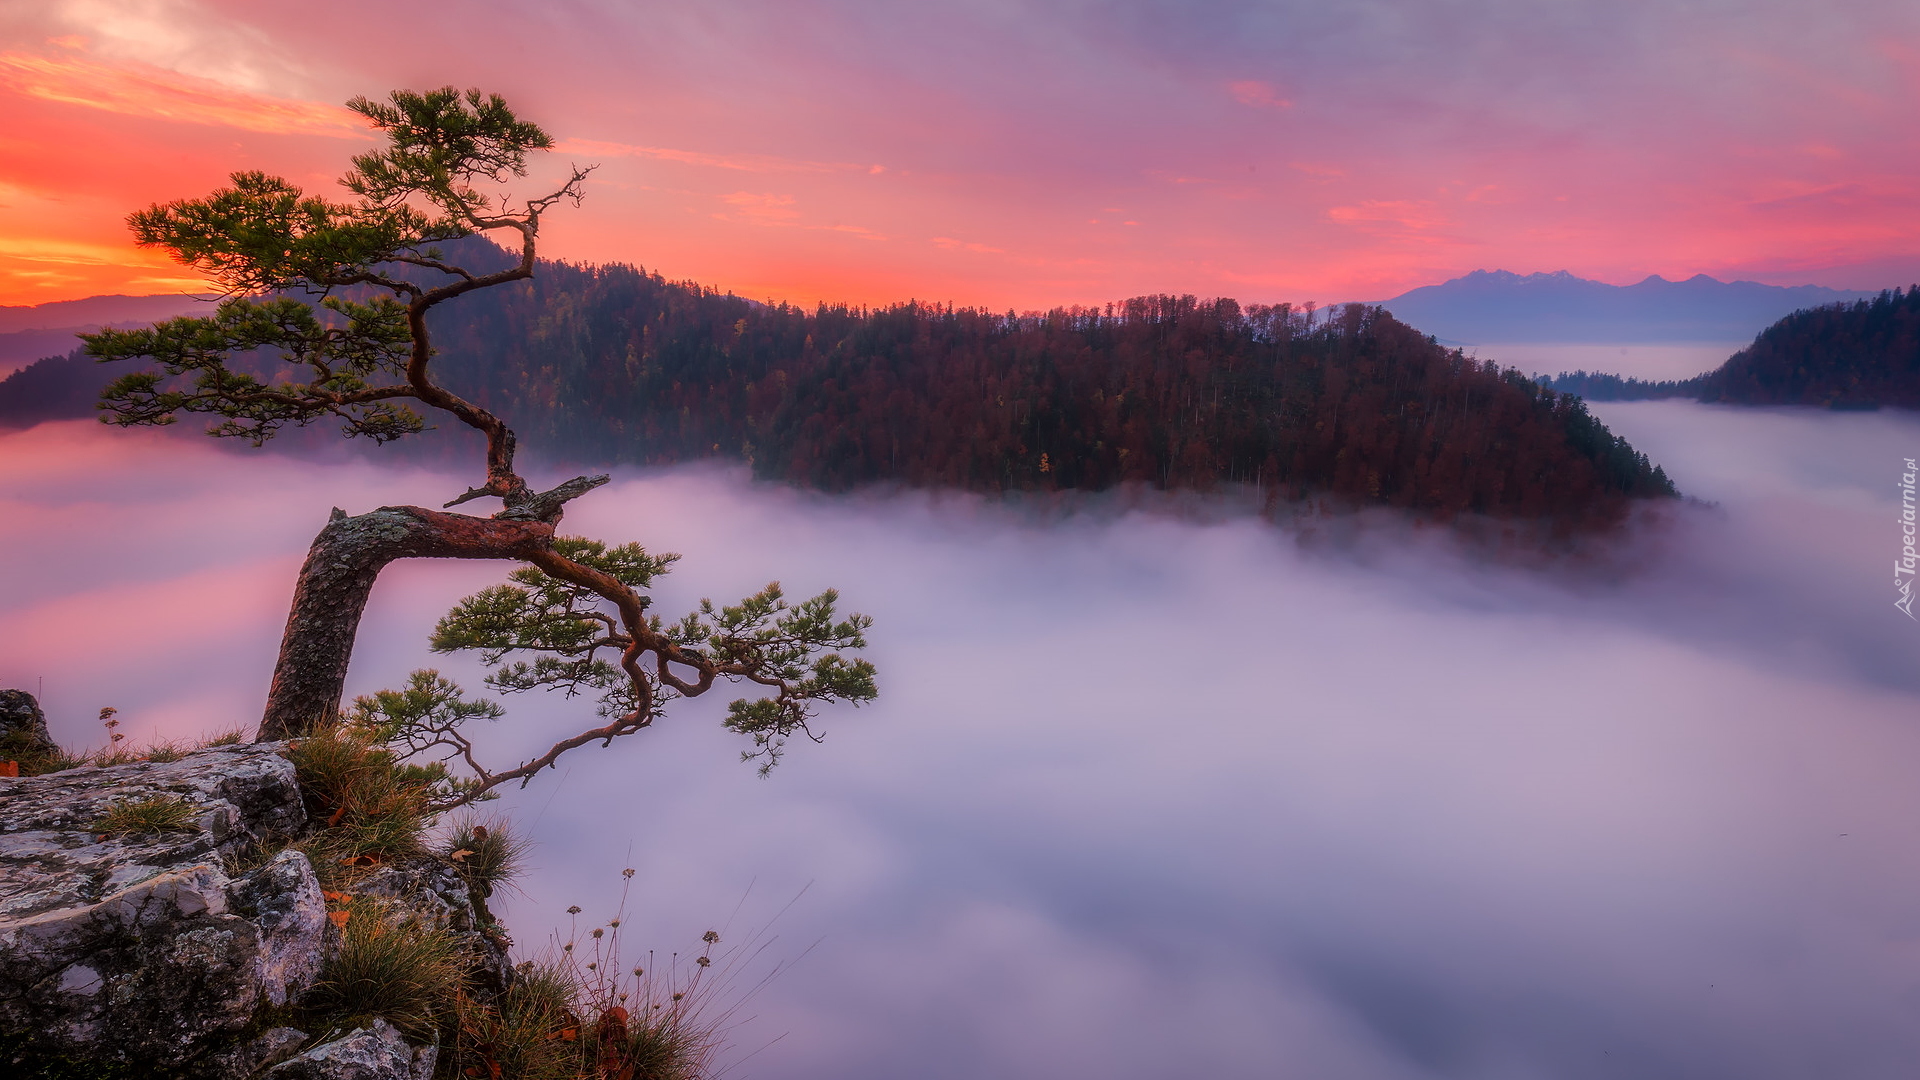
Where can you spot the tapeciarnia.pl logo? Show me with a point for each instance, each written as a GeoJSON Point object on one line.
{"type": "Point", "coordinates": [1903, 567]}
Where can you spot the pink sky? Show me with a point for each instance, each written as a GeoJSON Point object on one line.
{"type": "Point", "coordinates": [1020, 154]}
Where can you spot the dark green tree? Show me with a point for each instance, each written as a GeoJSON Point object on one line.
{"type": "Point", "coordinates": [325, 319]}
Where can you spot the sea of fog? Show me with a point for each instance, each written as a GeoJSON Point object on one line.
{"type": "Point", "coordinates": [1648, 361]}
{"type": "Point", "coordinates": [1151, 795]}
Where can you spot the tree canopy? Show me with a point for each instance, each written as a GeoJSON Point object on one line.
{"type": "Point", "coordinates": [325, 318]}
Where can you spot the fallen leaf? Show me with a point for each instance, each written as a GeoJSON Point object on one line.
{"type": "Point", "coordinates": [361, 860]}
{"type": "Point", "coordinates": [9, 768]}
{"type": "Point", "coordinates": [339, 918]}
{"type": "Point", "coordinates": [335, 897]}
{"type": "Point", "coordinates": [460, 856]}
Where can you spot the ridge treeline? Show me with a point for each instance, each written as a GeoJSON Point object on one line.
{"type": "Point", "coordinates": [612, 364]}
{"type": "Point", "coordinates": [1857, 355]}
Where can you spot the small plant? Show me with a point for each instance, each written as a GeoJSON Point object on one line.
{"type": "Point", "coordinates": [167, 750]}
{"type": "Point", "coordinates": [156, 813]}
{"type": "Point", "coordinates": [389, 965]}
{"type": "Point", "coordinates": [531, 1031]}
{"type": "Point", "coordinates": [32, 757]}
{"type": "Point", "coordinates": [372, 807]}
{"type": "Point", "coordinates": [488, 852]}
{"type": "Point", "coordinates": [583, 1014]}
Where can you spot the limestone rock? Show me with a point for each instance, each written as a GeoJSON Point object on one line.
{"type": "Point", "coordinates": [142, 948]}
{"type": "Point", "coordinates": [23, 727]}
{"type": "Point", "coordinates": [436, 893]}
{"type": "Point", "coordinates": [371, 1053]}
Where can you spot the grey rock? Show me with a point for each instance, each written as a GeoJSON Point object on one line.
{"type": "Point", "coordinates": [425, 1059]}
{"type": "Point", "coordinates": [246, 1059]}
{"type": "Point", "coordinates": [283, 900]}
{"type": "Point", "coordinates": [441, 898]}
{"type": "Point", "coordinates": [429, 886]}
{"type": "Point", "coordinates": [23, 727]}
{"type": "Point", "coordinates": [379, 1052]}
{"type": "Point", "coordinates": [141, 948]}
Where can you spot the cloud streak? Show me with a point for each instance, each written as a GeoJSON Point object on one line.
{"type": "Point", "coordinates": [139, 90]}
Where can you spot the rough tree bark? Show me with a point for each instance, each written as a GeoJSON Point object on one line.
{"type": "Point", "coordinates": [338, 576]}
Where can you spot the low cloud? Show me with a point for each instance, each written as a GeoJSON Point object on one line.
{"type": "Point", "coordinates": [1149, 795]}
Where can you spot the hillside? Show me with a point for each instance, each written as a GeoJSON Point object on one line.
{"type": "Point", "coordinates": [610, 364]}
{"type": "Point", "coordinates": [1863, 354]}
{"type": "Point", "coordinates": [28, 333]}
{"type": "Point", "coordinates": [1855, 355]}
{"type": "Point", "coordinates": [1499, 306]}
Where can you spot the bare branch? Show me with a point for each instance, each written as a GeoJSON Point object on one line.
{"type": "Point", "coordinates": [431, 264]}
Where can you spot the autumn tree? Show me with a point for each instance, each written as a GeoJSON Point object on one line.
{"type": "Point", "coordinates": [325, 319]}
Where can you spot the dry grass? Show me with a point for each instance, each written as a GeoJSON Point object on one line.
{"type": "Point", "coordinates": [371, 807]}
{"type": "Point", "coordinates": [156, 813]}
{"type": "Point", "coordinates": [584, 1014]}
{"type": "Point", "coordinates": [488, 851]}
{"type": "Point", "coordinates": [389, 965]}
{"type": "Point", "coordinates": [34, 758]}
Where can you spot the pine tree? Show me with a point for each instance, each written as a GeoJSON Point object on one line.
{"type": "Point", "coordinates": [336, 296]}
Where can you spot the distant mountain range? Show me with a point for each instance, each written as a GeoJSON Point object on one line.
{"type": "Point", "coordinates": [30, 332]}
{"type": "Point", "coordinates": [1490, 306]}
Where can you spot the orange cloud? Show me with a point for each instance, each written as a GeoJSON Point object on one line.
{"type": "Point", "coordinates": [37, 269]}
{"type": "Point", "coordinates": [155, 93]}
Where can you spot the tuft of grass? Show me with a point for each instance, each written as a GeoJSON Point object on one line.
{"type": "Point", "coordinates": [561, 1021]}
{"type": "Point", "coordinates": [389, 965]}
{"type": "Point", "coordinates": [372, 808]}
{"type": "Point", "coordinates": [156, 813]}
{"type": "Point", "coordinates": [530, 1032]}
{"type": "Point", "coordinates": [160, 750]}
{"type": "Point", "coordinates": [112, 756]}
{"type": "Point", "coordinates": [488, 851]}
{"type": "Point", "coordinates": [253, 855]}
{"type": "Point", "coordinates": [165, 751]}
{"type": "Point", "coordinates": [35, 758]}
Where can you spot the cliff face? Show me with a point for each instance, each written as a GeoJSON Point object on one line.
{"type": "Point", "coordinates": [144, 932]}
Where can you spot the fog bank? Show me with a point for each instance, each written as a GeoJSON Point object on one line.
{"type": "Point", "coordinates": [1149, 797]}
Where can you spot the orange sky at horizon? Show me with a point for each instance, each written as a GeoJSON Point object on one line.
{"type": "Point", "coordinates": [844, 150]}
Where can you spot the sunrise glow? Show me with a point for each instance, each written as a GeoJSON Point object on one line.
{"type": "Point", "coordinates": [870, 156]}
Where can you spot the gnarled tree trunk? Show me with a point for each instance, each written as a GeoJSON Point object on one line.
{"type": "Point", "coordinates": [336, 580]}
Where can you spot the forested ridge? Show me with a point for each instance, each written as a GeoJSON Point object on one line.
{"type": "Point", "coordinates": [1862, 354]}
{"type": "Point", "coordinates": [1843, 355]}
{"type": "Point", "coordinates": [614, 365]}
